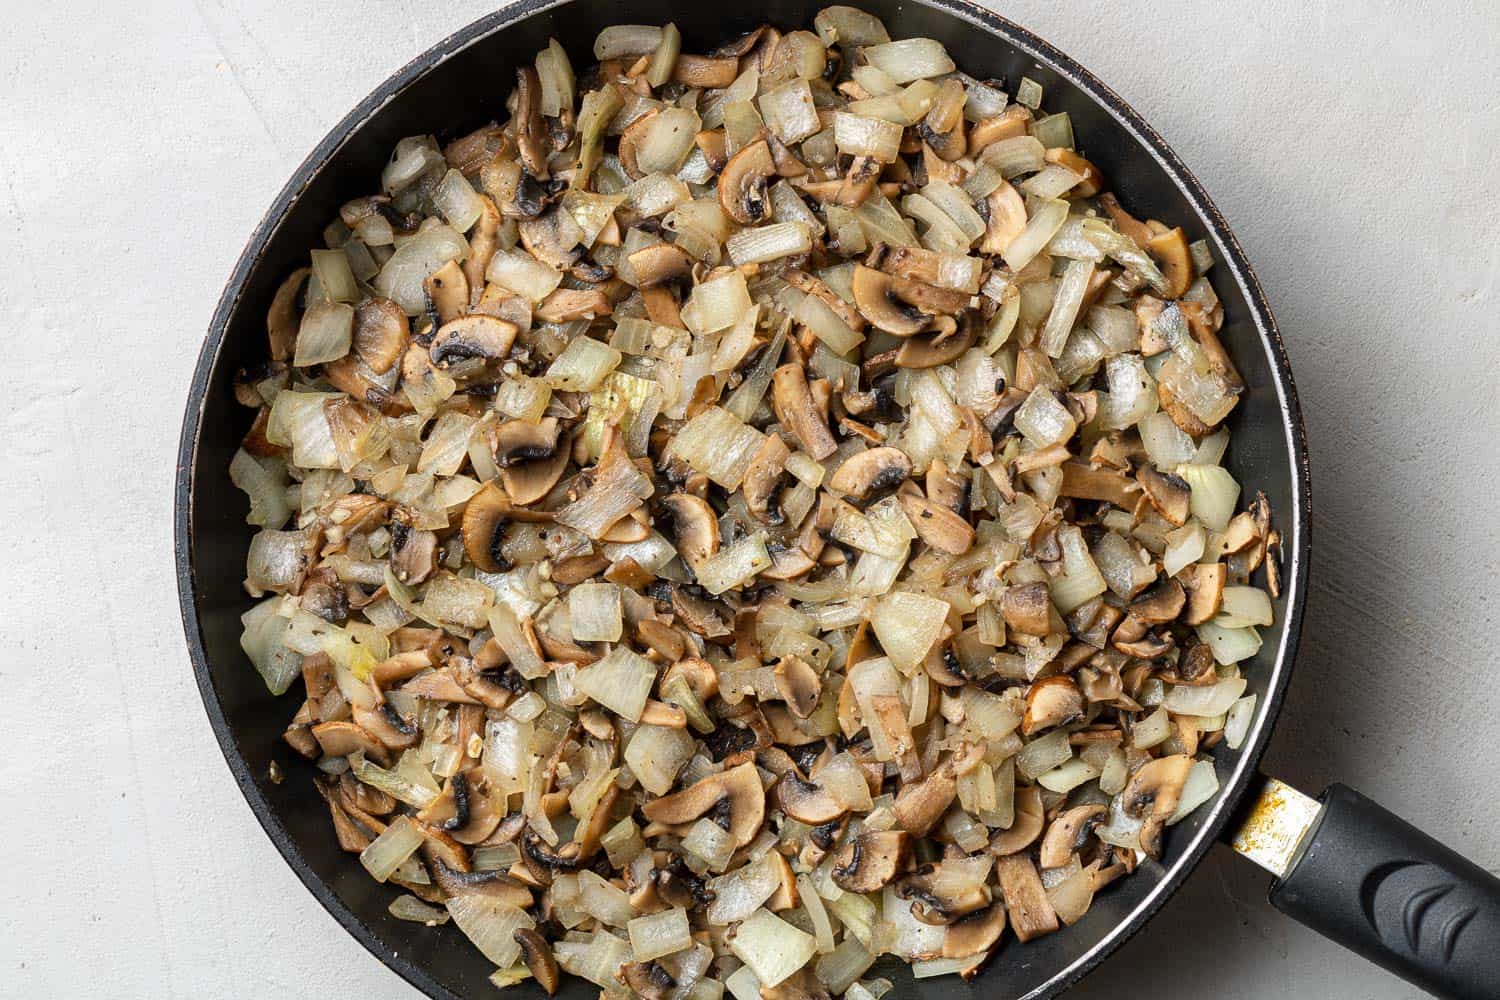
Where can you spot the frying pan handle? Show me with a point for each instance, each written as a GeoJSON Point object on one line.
{"type": "Point", "coordinates": [1379, 886]}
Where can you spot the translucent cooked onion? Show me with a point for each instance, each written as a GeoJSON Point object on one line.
{"type": "Point", "coordinates": [910, 59]}
{"type": "Point", "coordinates": [772, 948]}
{"type": "Point", "coordinates": [768, 243]}
{"type": "Point", "coordinates": [401, 277]}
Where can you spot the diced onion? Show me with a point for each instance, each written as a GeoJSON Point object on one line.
{"type": "Point", "coordinates": [910, 59]}
{"type": "Point", "coordinates": [621, 682]}
{"type": "Point", "coordinates": [772, 948]}
{"type": "Point", "coordinates": [659, 934]}
{"type": "Point", "coordinates": [1214, 495]}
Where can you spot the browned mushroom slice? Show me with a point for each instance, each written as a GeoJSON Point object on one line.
{"type": "Point", "coordinates": [1093, 179]}
{"type": "Point", "coordinates": [1067, 833]}
{"type": "Point", "coordinates": [566, 304]}
{"type": "Point", "coordinates": [381, 334]}
{"type": "Point", "coordinates": [762, 476]}
{"type": "Point", "coordinates": [798, 684]}
{"type": "Point", "coordinates": [483, 241]}
{"type": "Point", "coordinates": [386, 724]}
{"type": "Point", "coordinates": [1126, 223]}
{"type": "Point", "coordinates": [1011, 123]}
{"type": "Point", "coordinates": [796, 410]}
{"type": "Point", "coordinates": [1026, 825]}
{"type": "Point", "coordinates": [529, 129]}
{"type": "Point", "coordinates": [413, 551]}
{"type": "Point", "coordinates": [1031, 914]}
{"type": "Point", "coordinates": [937, 525]}
{"type": "Point", "coordinates": [1087, 483]}
{"type": "Point", "coordinates": [705, 71]}
{"type": "Point", "coordinates": [660, 264]}
{"type": "Point", "coordinates": [872, 860]}
{"type": "Point", "coordinates": [743, 181]}
{"type": "Point", "coordinates": [340, 739]}
{"type": "Point", "coordinates": [285, 315]}
{"type": "Point", "coordinates": [873, 471]}
{"type": "Point", "coordinates": [1027, 608]}
{"type": "Point", "coordinates": [974, 934]}
{"type": "Point", "coordinates": [739, 786]}
{"type": "Point", "coordinates": [805, 282]}
{"type": "Point", "coordinates": [940, 901]}
{"type": "Point", "coordinates": [516, 442]}
{"type": "Point", "coordinates": [806, 801]}
{"type": "Point", "coordinates": [1152, 795]}
{"type": "Point", "coordinates": [940, 347]}
{"type": "Point", "coordinates": [1205, 586]}
{"type": "Point", "coordinates": [1162, 603]}
{"type": "Point", "coordinates": [1171, 251]}
{"type": "Point", "coordinates": [530, 481]}
{"type": "Point", "coordinates": [543, 237]}
{"type": "Point", "coordinates": [483, 527]}
{"type": "Point", "coordinates": [648, 980]}
{"type": "Point", "coordinates": [874, 297]}
{"type": "Point", "coordinates": [1005, 221]}
{"type": "Point", "coordinates": [476, 336]}
{"type": "Point", "coordinates": [539, 959]}
{"type": "Point", "coordinates": [694, 526]}
{"type": "Point", "coordinates": [448, 290]}
{"type": "Point", "coordinates": [920, 804]}
{"type": "Point", "coordinates": [1168, 492]}
{"type": "Point", "coordinates": [1053, 701]}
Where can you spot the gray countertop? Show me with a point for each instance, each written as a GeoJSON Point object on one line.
{"type": "Point", "coordinates": [1351, 146]}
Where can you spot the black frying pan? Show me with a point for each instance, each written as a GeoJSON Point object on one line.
{"type": "Point", "coordinates": [1349, 869]}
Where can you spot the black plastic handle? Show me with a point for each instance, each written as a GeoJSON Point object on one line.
{"type": "Point", "coordinates": [1379, 886]}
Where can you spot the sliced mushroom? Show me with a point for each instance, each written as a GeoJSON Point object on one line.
{"type": "Point", "coordinates": [1011, 123]}
{"type": "Point", "coordinates": [1093, 179]}
{"type": "Point", "coordinates": [1026, 823]}
{"type": "Point", "coordinates": [413, 551]}
{"type": "Point", "coordinates": [1168, 492]}
{"type": "Point", "coordinates": [1162, 603]}
{"type": "Point", "coordinates": [1050, 702]}
{"type": "Point", "coordinates": [517, 441]}
{"type": "Point", "coordinates": [539, 958]}
{"type": "Point", "coordinates": [694, 526]}
{"type": "Point", "coordinates": [528, 122]}
{"type": "Point", "coordinates": [1031, 914]}
{"type": "Point", "coordinates": [937, 525]}
{"type": "Point", "coordinates": [873, 471]}
{"type": "Point", "coordinates": [475, 336]}
{"type": "Point", "coordinates": [762, 476]}
{"type": "Point", "coordinates": [1152, 795]}
{"type": "Point", "coordinates": [806, 801]}
{"type": "Point", "coordinates": [805, 282]}
{"type": "Point", "coordinates": [1204, 583]}
{"type": "Point", "coordinates": [1171, 251]}
{"type": "Point", "coordinates": [381, 334]}
{"type": "Point", "coordinates": [705, 71]}
{"type": "Point", "coordinates": [1085, 482]}
{"type": "Point", "coordinates": [874, 297]}
{"type": "Point", "coordinates": [940, 346]}
{"type": "Point", "coordinates": [1028, 608]}
{"type": "Point", "coordinates": [1067, 833]}
{"type": "Point", "coordinates": [660, 264]}
{"type": "Point", "coordinates": [935, 901]}
{"type": "Point", "coordinates": [739, 785]}
{"type": "Point", "coordinates": [798, 684]}
{"type": "Point", "coordinates": [1005, 219]}
{"type": "Point", "coordinates": [386, 725]}
{"type": "Point", "coordinates": [797, 412]}
{"type": "Point", "coordinates": [920, 804]}
{"type": "Point", "coordinates": [285, 315]}
{"type": "Point", "coordinates": [872, 860]}
{"type": "Point", "coordinates": [340, 739]}
{"type": "Point", "coordinates": [528, 482]}
{"type": "Point", "coordinates": [544, 238]}
{"type": "Point", "coordinates": [448, 290]}
{"type": "Point", "coordinates": [974, 934]}
{"type": "Point", "coordinates": [648, 980]}
{"type": "Point", "coordinates": [742, 184]}
{"type": "Point", "coordinates": [483, 527]}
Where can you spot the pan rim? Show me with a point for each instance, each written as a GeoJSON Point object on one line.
{"type": "Point", "coordinates": [1223, 807]}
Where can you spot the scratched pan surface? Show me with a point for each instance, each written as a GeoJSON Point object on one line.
{"type": "Point", "coordinates": [461, 83]}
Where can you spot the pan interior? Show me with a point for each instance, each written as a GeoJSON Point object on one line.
{"type": "Point", "coordinates": [462, 83]}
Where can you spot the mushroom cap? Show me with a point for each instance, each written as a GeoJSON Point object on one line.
{"type": "Point", "coordinates": [1066, 832]}
{"type": "Point", "coordinates": [530, 481]}
{"type": "Point", "coordinates": [872, 860]}
{"type": "Point", "coordinates": [694, 525]}
{"type": "Point", "coordinates": [516, 441]}
{"type": "Point", "coordinates": [483, 527]}
{"type": "Point", "coordinates": [938, 347]}
{"type": "Point", "coordinates": [806, 801]}
{"type": "Point", "coordinates": [659, 264]}
{"type": "Point", "coordinates": [873, 470]}
{"type": "Point", "coordinates": [1168, 492]}
{"type": "Point", "coordinates": [474, 336]}
{"type": "Point", "coordinates": [1052, 701]}
{"type": "Point", "coordinates": [975, 933]}
{"type": "Point", "coordinates": [742, 183]}
{"type": "Point", "coordinates": [1025, 827]}
{"type": "Point", "coordinates": [381, 334]}
{"type": "Point", "coordinates": [875, 298]}
{"type": "Point", "coordinates": [798, 684]}
{"type": "Point", "coordinates": [740, 785]}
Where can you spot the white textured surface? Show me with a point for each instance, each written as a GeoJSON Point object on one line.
{"type": "Point", "coordinates": [1352, 147]}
